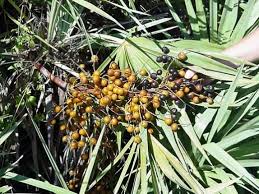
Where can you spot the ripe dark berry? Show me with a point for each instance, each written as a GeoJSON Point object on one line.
{"type": "Point", "coordinates": [162, 97]}
{"type": "Point", "coordinates": [190, 95]}
{"type": "Point", "coordinates": [170, 78]}
{"type": "Point", "coordinates": [176, 116]}
{"type": "Point", "coordinates": [210, 88]}
{"type": "Point", "coordinates": [154, 84]}
{"type": "Point", "coordinates": [171, 70]}
{"type": "Point", "coordinates": [159, 59]}
{"type": "Point", "coordinates": [174, 110]}
{"type": "Point", "coordinates": [179, 103]}
{"type": "Point", "coordinates": [145, 82]}
{"type": "Point", "coordinates": [164, 58]}
{"type": "Point", "coordinates": [176, 87]}
{"type": "Point", "coordinates": [175, 74]}
{"type": "Point", "coordinates": [165, 50]}
{"type": "Point", "coordinates": [123, 79]}
{"type": "Point", "coordinates": [174, 97]}
{"type": "Point", "coordinates": [169, 59]}
{"type": "Point", "coordinates": [205, 92]}
{"type": "Point", "coordinates": [153, 75]}
{"type": "Point", "coordinates": [198, 87]}
{"type": "Point", "coordinates": [159, 72]}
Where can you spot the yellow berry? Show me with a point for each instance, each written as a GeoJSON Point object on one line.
{"type": "Point", "coordinates": [92, 141]}
{"type": "Point", "coordinates": [89, 109]}
{"type": "Point", "coordinates": [83, 132]}
{"type": "Point", "coordinates": [75, 135]}
{"type": "Point", "coordinates": [57, 109]}
{"type": "Point", "coordinates": [72, 114]}
{"type": "Point", "coordinates": [137, 139]}
{"type": "Point", "coordinates": [81, 144]}
{"type": "Point", "coordinates": [174, 127]}
{"type": "Point", "coordinates": [130, 129]}
{"type": "Point", "coordinates": [107, 120]}
{"type": "Point", "coordinates": [114, 122]}
{"type": "Point", "coordinates": [168, 121]}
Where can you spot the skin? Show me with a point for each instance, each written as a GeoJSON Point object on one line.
{"type": "Point", "coordinates": [247, 49]}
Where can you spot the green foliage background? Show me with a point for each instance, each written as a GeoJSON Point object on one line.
{"type": "Point", "coordinates": [217, 150]}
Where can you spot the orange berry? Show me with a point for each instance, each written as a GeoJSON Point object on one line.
{"type": "Point", "coordinates": [107, 120]}
{"type": "Point", "coordinates": [118, 82]}
{"type": "Point", "coordinates": [65, 139]}
{"type": "Point", "coordinates": [69, 101]}
{"type": "Point", "coordinates": [92, 141]}
{"type": "Point", "coordinates": [174, 127]}
{"type": "Point", "coordinates": [72, 114]}
{"type": "Point", "coordinates": [136, 115]}
{"type": "Point", "coordinates": [128, 117]}
{"type": "Point", "coordinates": [53, 122]}
{"type": "Point", "coordinates": [136, 129]}
{"type": "Point", "coordinates": [89, 109]}
{"type": "Point", "coordinates": [83, 132]}
{"type": "Point", "coordinates": [196, 99]}
{"type": "Point", "coordinates": [75, 135]}
{"type": "Point", "coordinates": [96, 79]}
{"type": "Point", "coordinates": [143, 93]}
{"type": "Point", "coordinates": [156, 104]}
{"type": "Point", "coordinates": [114, 97]}
{"type": "Point", "coordinates": [62, 127]}
{"type": "Point", "coordinates": [132, 78]}
{"type": "Point", "coordinates": [84, 156]}
{"type": "Point", "coordinates": [135, 99]}
{"type": "Point", "coordinates": [117, 73]}
{"type": "Point", "coordinates": [114, 65]}
{"type": "Point", "coordinates": [148, 116]}
{"type": "Point", "coordinates": [98, 73]}
{"type": "Point", "coordinates": [144, 124]}
{"type": "Point", "coordinates": [181, 72]}
{"type": "Point", "coordinates": [57, 109]}
{"type": "Point", "coordinates": [137, 139]}
{"type": "Point", "coordinates": [114, 122]}
{"type": "Point", "coordinates": [195, 77]}
{"type": "Point", "coordinates": [110, 72]}
{"type": "Point", "coordinates": [120, 91]}
{"type": "Point", "coordinates": [168, 121]}
{"type": "Point", "coordinates": [104, 82]}
{"type": "Point", "coordinates": [121, 97]}
{"type": "Point", "coordinates": [127, 72]}
{"type": "Point", "coordinates": [130, 129]}
{"type": "Point", "coordinates": [179, 94]}
{"type": "Point", "coordinates": [83, 79]}
{"type": "Point", "coordinates": [144, 99]}
{"type": "Point", "coordinates": [150, 131]}
{"type": "Point", "coordinates": [81, 144]}
{"type": "Point", "coordinates": [73, 145]}
{"type": "Point", "coordinates": [75, 93]}
{"type": "Point", "coordinates": [126, 85]}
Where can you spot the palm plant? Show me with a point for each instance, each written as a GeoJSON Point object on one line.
{"type": "Point", "coordinates": [216, 152]}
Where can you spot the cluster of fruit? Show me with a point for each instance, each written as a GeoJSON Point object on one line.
{"type": "Point", "coordinates": [121, 97]}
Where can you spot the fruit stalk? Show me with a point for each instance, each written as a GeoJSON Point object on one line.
{"type": "Point", "coordinates": [62, 84]}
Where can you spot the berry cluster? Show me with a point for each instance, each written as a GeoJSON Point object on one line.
{"type": "Point", "coordinates": [121, 97]}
